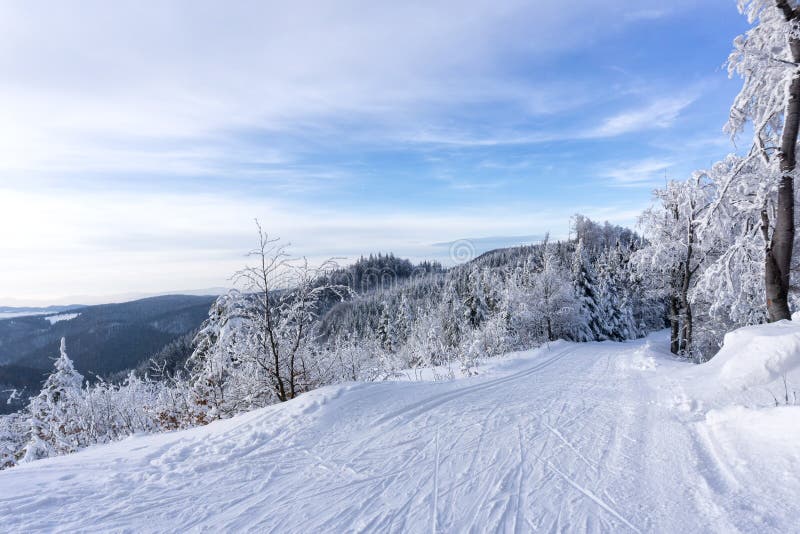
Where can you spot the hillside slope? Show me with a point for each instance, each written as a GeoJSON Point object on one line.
{"type": "Point", "coordinates": [582, 437]}
{"type": "Point", "coordinates": [104, 338]}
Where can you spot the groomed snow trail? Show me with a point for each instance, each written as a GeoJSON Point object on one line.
{"type": "Point", "coordinates": [574, 437]}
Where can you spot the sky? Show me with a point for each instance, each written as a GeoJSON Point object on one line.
{"type": "Point", "coordinates": [140, 140]}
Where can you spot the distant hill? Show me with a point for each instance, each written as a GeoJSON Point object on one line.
{"type": "Point", "coordinates": [101, 340]}
{"type": "Point", "coordinates": [9, 312]}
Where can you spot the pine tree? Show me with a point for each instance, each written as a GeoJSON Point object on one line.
{"type": "Point", "coordinates": [584, 283]}
{"type": "Point", "coordinates": [476, 306]}
{"type": "Point", "coordinates": [452, 314]}
{"type": "Point", "coordinates": [405, 321]}
{"type": "Point", "coordinates": [53, 421]}
{"type": "Point", "coordinates": [611, 296]}
{"type": "Point", "coordinates": [386, 331]}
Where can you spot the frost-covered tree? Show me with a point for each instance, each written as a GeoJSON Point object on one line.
{"type": "Point", "coordinates": [216, 366]}
{"type": "Point", "coordinates": [405, 320]}
{"type": "Point", "coordinates": [553, 299]}
{"type": "Point", "coordinates": [258, 346]}
{"type": "Point", "coordinates": [476, 308]}
{"type": "Point", "coordinates": [729, 288]}
{"type": "Point", "coordinates": [283, 303]}
{"type": "Point", "coordinates": [350, 358]}
{"type": "Point", "coordinates": [13, 428]}
{"type": "Point", "coordinates": [453, 316]}
{"type": "Point", "coordinates": [674, 253]}
{"type": "Point", "coordinates": [386, 329]}
{"type": "Point", "coordinates": [611, 291]}
{"type": "Point", "coordinates": [588, 327]}
{"type": "Point", "coordinates": [54, 426]}
{"type": "Point", "coordinates": [767, 57]}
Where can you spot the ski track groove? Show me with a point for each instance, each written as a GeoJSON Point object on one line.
{"type": "Point", "coordinates": [590, 495]}
{"type": "Point", "coordinates": [418, 408]}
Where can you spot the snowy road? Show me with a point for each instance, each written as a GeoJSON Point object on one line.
{"type": "Point", "coordinates": [577, 437]}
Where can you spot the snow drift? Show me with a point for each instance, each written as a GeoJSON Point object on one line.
{"type": "Point", "coordinates": [758, 355]}
{"type": "Point", "coordinates": [757, 366]}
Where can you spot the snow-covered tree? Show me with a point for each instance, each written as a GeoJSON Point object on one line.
{"type": "Point", "coordinates": [13, 428]}
{"type": "Point", "coordinates": [767, 57]}
{"type": "Point", "coordinates": [588, 327]}
{"type": "Point", "coordinates": [386, 329]}
{"type": "Point", "coordinates": [215, 366]}
{"type": "Point", "coordinates": [476, 307]}
{"type": "Point", "coordinates": [729, 289]}
{"type": "Point", "coordinates": [553, 299]}
{"type": "Point", "coordinates": [453, 316]}
{"type": "Point", "coordinates": [405, 320]}
{"type": "Point", "coordinates": [54, 426]}
{"type": "Point", "coordinates": [674, 253]}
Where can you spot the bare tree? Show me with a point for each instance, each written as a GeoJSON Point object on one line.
{"type": "Point", "coordinates": [284, 297]}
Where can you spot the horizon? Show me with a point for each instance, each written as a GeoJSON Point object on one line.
{"type": "Point", "coordinates": [139, 143]}
{"type": "Point", "coordinates": [447, 253]}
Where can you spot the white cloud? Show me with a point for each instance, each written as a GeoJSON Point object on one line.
{"type": "Point", "coordinates": [645, 172]}
{"type": "Point", "coordinates": [661, 113]}
{"type": "Point", "coordinates": [80, 81]}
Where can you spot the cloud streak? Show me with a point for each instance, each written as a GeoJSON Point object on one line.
{"type": "Point", "coordinates": [661, 113]}
{"type": "Point", "coordinates": [165, 89]}
{"type": "Point", "coordinates": [644, 173]}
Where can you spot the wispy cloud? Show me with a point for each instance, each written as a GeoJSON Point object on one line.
{"type": "Point", "coordinates": [643, 173]}
{"type": "Point", "coordinates": [149, 80]}
{"type": "Point", "coordinates": [661, 113]}
{"type": "Point", "coordinates": [645, 14]}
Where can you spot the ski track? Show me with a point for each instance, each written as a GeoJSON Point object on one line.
{"type": "Point", "coordinates": [559, 439]}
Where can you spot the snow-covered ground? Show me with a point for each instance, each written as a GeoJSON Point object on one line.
{"type": "Point", "coordinates": [14, 315]}
{"type": "Point", "coordinates": [572, 437]}
{"type": "Point", "coordinates": [53, 319]}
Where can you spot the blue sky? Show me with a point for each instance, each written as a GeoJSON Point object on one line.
{"type": "Point", "coordinates": [139, 140]}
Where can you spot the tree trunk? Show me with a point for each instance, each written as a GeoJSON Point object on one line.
{"type": "Point", "coordinates": [686, 283]}
{"type": "Point", "coordinates": [674, 339]}
{"type": "Point", "coordinates": [778, 258]}
{"type": "Point", "coordinates": [687, 329]}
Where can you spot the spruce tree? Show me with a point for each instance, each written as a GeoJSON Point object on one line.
{"type": "Point", "coordinates": [52, 422]}
{"type": "Point", "coordinates": [586, 292]}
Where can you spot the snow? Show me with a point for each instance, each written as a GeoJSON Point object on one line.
{"type": "Point", "coordinates": [597, 437]}
{"type": "Point", "coordinates": [53, 319]}
{"type": "Point", "coordinates": [744, 441]}
{"type": "Point", "coordinates": [13, 315]}
{"type": "Point", "coordinates": [757, 355]}
{"type": "Point", "coordinates": [750, 368]}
